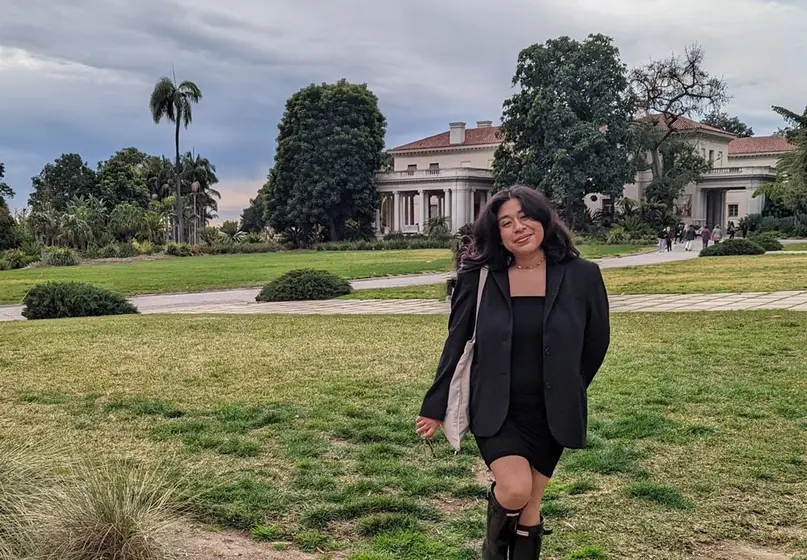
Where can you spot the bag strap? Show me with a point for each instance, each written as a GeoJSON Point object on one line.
{"type": "Point", "coordinates": [483, 277]}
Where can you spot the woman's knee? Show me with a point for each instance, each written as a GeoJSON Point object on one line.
{"type": "Point", "coordinates": [513, 492]}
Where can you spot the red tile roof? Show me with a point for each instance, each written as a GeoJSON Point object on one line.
{"type": "Point", "coordinates": [473, 137]}
{"type": "Point", "coordinates": [760, 145]}
{"type": "Point", "coordinates": [683, 123]}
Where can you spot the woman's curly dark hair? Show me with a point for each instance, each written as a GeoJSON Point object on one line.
{"type": "Point", "coordinates": [487, 248]}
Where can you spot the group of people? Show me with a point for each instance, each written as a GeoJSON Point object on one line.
{"type": "Point", "coordinates": [687, 234]}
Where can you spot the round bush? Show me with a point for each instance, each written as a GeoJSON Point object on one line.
{"type": "Point", "coordinates": [55, 300]}
{"type": "Point", "coordinates": [767, 241]}
{"type": "Point", "coordinates": [60, 256]}
{"type": "Point", "coordinates": [733, 247]}
{"type": "Point", "coordinates": [305, 284]}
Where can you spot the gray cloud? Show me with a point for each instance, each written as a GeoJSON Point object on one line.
{"type": "Point", "coordinates": [75, 75]}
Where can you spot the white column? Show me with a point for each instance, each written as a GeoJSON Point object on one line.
{"type": "Point", "coordinates": [472, 206]}
{"type": "Point", "coordinates": [396, 212]}
{"type": "Point", "coordinates": [455, 211]}
{"type": "Point", "coordinates": [424, 209]}
{"type": "Point", "coordinates": [446, 205]}
{"type": "Point", "coordinates": [378, 220]}
{"type": "Point", "coordinates": [754, 205]}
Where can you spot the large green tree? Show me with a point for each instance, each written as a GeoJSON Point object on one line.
{"type": "Point", "coordinates": [59, 182]}
{"type": "Point", "coordinates": [723, 121]}
{"type": "Point", "coordinates": [122, 178]}
{"type": "Point", "coordinates": [253, 217]}
{"type": "Point", "coordinates": [329, 146]}
{"type": "Point", "coordinates": [665, 91]}
{"type": "Point", "coordinates": [566, 128]}
{"type": "Point", "coordinates": [174, 103]}
{"type": "Point", "coordinates": [790, 188]}
{"type": "Point", "coordinates": [8, 227]}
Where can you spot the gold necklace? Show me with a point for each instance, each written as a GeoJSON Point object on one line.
{"type": "Point", "coordinates": [539, 263]}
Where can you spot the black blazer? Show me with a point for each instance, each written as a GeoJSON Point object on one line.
{"type": "Point", "coordinates": [576, 339]}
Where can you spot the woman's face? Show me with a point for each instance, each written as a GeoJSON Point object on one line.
{"type": "Point", "coordinates": [521, 235]}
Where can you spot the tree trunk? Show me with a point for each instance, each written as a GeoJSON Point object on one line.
{"type": "Point", "coordinates": [179, 206]}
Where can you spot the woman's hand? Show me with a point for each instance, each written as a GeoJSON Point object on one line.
{"type": "Point", "coordinates": [427, 427]}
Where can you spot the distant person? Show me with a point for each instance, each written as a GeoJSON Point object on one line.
{"type": "Point", "coordinates": [541, 332]}
{"type": "Point", "coordinates": [731, 231]}
{"type": "Point", "coordinates": [716, 234]}
{"type": "Point", "coordinates": [689, 237]}
{"type": "Point", "coordinates": [662, 240]}
{"type": "Point", "coordinates": [706, 236]}
{"type": "Point", "coordinates": [669, 239]}
{"type": "Point", "coordinates": [679, 233]}
{"type": "Point", "coordinates": [744, 228]}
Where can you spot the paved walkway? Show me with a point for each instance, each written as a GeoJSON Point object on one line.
{"type": "Point", "coordinates": [796, 301]}
{"type": "Point", "coordinates": [243, 300]}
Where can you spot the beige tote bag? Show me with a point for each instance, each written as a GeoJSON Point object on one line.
{"type": "Point", "coordinates": [457, 421]}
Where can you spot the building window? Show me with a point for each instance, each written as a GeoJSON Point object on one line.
{"type": "Point", "coordinates": [434, 168]}
{"type": "Point", "coordinates": [734, 210]}
{"type": "Point", "coordinates": [711, 157]}
{"type": "Point", "coordinates": [410, 169]}
{"type": "Point", "coordinates": [720, 157]}
{"type": "Point", "coordinates": [703, 152]}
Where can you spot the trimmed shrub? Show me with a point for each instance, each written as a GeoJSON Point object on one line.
{"type": "Point", "coordinates": [305, 284]}
{"type": "Point", "coordinates": [127, 251]}
{"type": "Point", "coordinates": [17, 258]}
{"type": "Point", "coordinates": [177, 250]}
{"type": "Point", "coordinates": [767, 241]}
{"type": "Point", "coordinates": [60, 256]}
{"type": "Point", "coordinates": [143, 248]}
{"type": "Point", "coordinates": [55, 300]}
{"type": "Point", "coordinates": [733, 247]}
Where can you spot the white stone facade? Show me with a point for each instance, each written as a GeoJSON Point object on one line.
{"type": "Point", "coordinates": [449, 175]}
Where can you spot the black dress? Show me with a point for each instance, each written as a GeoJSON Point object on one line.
{"type": "Point", "coordinates": [525, 431]}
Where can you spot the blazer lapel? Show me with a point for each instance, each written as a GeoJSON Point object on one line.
{"type": "Point", "coordinates": [502, 279]}
{"type": "Point", "coordinates": [554, 278]}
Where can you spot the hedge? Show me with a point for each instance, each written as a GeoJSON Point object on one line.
{"type": "Point", "coordinates": [732, 247]}
{"type": "Point", "coordinates": [305, 284]}
{"type": "Point", "coordinates": [55, 300]}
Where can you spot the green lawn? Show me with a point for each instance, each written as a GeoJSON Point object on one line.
{"type": "Point", "coordinates": [196, 274]}
{"type": "Point", "coordinates": [698, 437]}
{"type": "Point", "coordinates": [795, 246]}
{"type": "Point", "coordinates": [763, 273]}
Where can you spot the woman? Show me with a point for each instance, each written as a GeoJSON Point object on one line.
{"type": "Point", "coordinates": [717, 235]}
{"type": "Point", "coordinates": [689, 237]}
{"type": "Point", "coordinates": [542, 334]}
{"type": "Point", "coordinates": [669, 239]}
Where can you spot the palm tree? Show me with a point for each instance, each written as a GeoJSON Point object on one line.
{"type": "Point", "coordinates": [198, 177]}
{"type": "Point", "coordinates": [174, 102]}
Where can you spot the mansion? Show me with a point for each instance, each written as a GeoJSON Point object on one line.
{"type": "Point", "coordinates": [449, 175]}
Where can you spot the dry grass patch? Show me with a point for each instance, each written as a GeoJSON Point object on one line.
{"type": "Point", "coordinates": [300, 429]}
{"type": "Point", "coordinates": [762, 273]}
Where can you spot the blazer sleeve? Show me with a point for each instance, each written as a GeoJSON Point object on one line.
{"type": "Point", "coordinates": [597, 336]}
{"type": "Point", "coordinates": [460, 330]}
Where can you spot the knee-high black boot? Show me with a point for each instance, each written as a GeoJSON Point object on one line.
{"type": "Point", "coordinates": [501, 529]}
{"type": "Point", "coordinates": [527, 542]}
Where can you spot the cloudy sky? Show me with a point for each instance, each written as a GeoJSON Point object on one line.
{"type": "Point", "coordinates": [75, 75]}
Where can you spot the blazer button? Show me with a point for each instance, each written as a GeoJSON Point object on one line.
{"type": "Point", "coordinates": [547, 351]}
{"type": "Point", "coordinates": [548, 385]}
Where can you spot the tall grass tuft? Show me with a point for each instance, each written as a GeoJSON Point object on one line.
{"type": "Point", "coordinates": [26, 471]}
{"type": "Point", "coordinates": [108, 510]}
